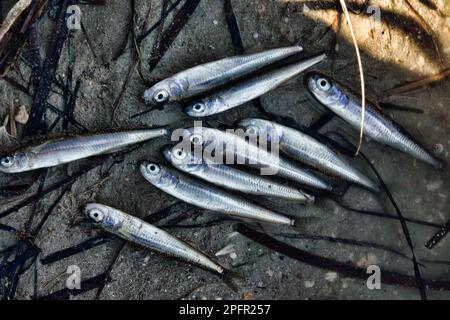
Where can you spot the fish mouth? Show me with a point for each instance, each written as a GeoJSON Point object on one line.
{"type": "Point", "coordinates": [86, 208]}
{"type": "Point", "coordinates": [310, 81]}
{"type": "Point", "coordinates": [166, 132]}
{"type": "Point", "coordinates": [372, 186]}
{"type": "Point", "coordinates": [189, 111]}
{"type": "Point", "coordinates": [166, 150]}
{"type": "Point", "coordinates": [147, 98]}
{"type": "Point", "coordinates": [310, 199]}
{"type": "Point", "coordinates": [242, 123]}
{"type": "Point", "coordinates": [143, 167]}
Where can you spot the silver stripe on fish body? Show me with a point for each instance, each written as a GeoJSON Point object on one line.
{"type": "Point", "coordinates": [205, 77]}
{"type": "Point", "coordinates": [230, 177]}
{"type": "Point", "coordinates": [378, 126]}
{"type": "Point", "coordinates": [250, 89]}
{"type": "Point", "coordinates": [308, 150]}
{"type": "Point", "coordinates": [140, 232]}
{"type": "Point", "coordinates": [68, 149]}
{"type": "Point", "coordinates": [207, 196]}
{"type": "Point", "coordinates": [238, 147]}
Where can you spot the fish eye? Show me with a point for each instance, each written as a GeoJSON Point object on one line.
{"type": "Point", "coordinates": [153, 169]}
{"type": "Point", "coordinates": [252, 130]}
{"type": "Point", "coordinates": [198, 107]}
{"type": "Point", "coordinates": [7, 162]}
{"type": "Point", "coordinates": [196, 139]}
{"type": "Point", "coordinates": [179, 154]}
{"type": "Point", "coordinates": [96, 215]}
{"type": "Point", "coordinates": [324, 84]}
{"type": "Point", "coordinates": [161, 96]}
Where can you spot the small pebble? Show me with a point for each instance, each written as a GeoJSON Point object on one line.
{"type": "Point", "coordinates": [438, 148]}
{"type": "Point", "coordinates": [331, 276]}
{"type": "Point", "coordinates": [22, 115]}
{"type": "Point", "coordinates": [306, 9]}
{"type": "Point", "coordinates": [433, 186]}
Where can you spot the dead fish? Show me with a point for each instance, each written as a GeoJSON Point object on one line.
{"type": "Point", "coordinates": [140, 232]}
{"type": "Point", "coordinates": [377, 125]}
{"type": "Point", "coordinates": [68, 149]}
{"type": "Point", "coordinates": [230, 177]}
{"type": "Point", "coordinates": [308, 150]}
{"type": "Point", "coordinates": [207, 196]}
{"type": "Point", "coordinates": [205, 77]}
{"type": "Point", "coordinates": [249, 90]}
{"type": "Point", "coordinates": [234, 145]}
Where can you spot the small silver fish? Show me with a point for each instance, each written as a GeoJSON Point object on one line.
{"type": "Point", "coordinates": [140, 232]}
{"type": "Point", "coordinates": [68, 149]}
{"type": "Point", "coordinates": [378, 126]}
{"type": "Point", "coordinates": [207, 196]}
{"type": "Point", "coordinates": [205, 77]}
{"type": "Point", "coordinates": [232, 144]}
{"type": "Point", "coordinates": [249, 90]}
{"type": "Point", "coordinates": [230, 177]}
{"type": "Point", "coordinates": [308, 150]}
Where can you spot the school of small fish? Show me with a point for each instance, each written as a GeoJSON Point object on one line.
{"type": "Point", "coordinates": [199, 175]}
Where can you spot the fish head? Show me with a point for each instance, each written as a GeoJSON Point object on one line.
{"type": "Point", "coordinates": [103, 215]}
{"type": "Point", "coordinates": [261, 129]}
{"type": "Point", "coordinates": [158, 175]}
{"type": "Point", "coordinates": [164, 91]}
{"type": "Point", "coordinates": [183, 159]}
{"type": "Point", "coordinates": [204, 107]}
{"type": "Point", "coordinates": [323, 89]}
{"type": "Point", "coordinates": [13, 163]}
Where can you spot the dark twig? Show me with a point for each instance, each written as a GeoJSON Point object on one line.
{"type": "Point", "coordinates": [48, 73]}
{"type": "Point", "coordinates": [343, 268]}
{"type": "Point", "coordinates": [50, 189]}
{"type": "Point", "coordinates": [81, 247]}
{"type": "Point", "coordinates": [50, 210]}
{"type": "Point", "coordinates": [359, 243]}
{"type": "Point", "coordinates": [238, 44]}
{"type": "Point", "coordinates": [170, 34]}
{"type": "Point", "coordinates": [109, 270]}
{"type": "Point", "coordinates": [158, 23]}
{"type": "Point", "coordinates": [86, 286]}
{"type": "Point", "coordinates": [401, 218]}
{"type": "Point", "coordinates": [438, 236]}
{"type": "Point", "coordinates": [386, 215]}
{"type": "Point", "coordinates": [49, 106]}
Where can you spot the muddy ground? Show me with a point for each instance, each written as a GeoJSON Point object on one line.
{"type": "Point", "coordinates": [395, 50]}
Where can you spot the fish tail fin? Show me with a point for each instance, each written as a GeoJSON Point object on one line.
{"type": "Point", "coordinates": [369, 185]}
{"type": "Point", "coordinates": [374, 188]}
{"type": "Point", "coordinates": [230, 278]}
{"type": "Point", "coordinates": [299, 44]}
{"type": "Point", "coordinates": [309, 199]}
